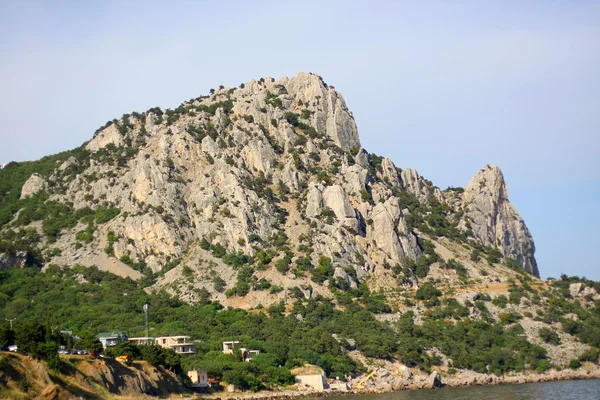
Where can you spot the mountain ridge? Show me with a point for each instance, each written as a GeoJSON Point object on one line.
{"type": "Point", "coordinates": [224, 173]}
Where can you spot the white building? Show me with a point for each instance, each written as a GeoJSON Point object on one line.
{"type": "Point", "coordinates": [230, 346]}
{"type": "Point", "coordinates": [109, 339]}
{"type": "Point", "coordinates": [142, 340]}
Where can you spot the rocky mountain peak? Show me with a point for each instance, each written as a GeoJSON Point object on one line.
{"type": "Point", "coordinates": [494, 220]}
{"type": "Point", "coordinates": [263, 182]}
{"type": "Point", "coordinates": [488, 181]}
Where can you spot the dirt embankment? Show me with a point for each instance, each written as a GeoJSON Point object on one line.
{"type": "Point", "coordinates": [22, 377]}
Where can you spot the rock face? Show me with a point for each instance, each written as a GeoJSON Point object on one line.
{"type": "Point", "coordinates": [494, 220]}
{"type": "Point", "coordinates": [32, 186]}
{"type": "Point", "coordinates": [330, 112]}
{"type": "Point", "coordinates": [418, 186]}
{"type": "Point", "coordinates": [13, 259]}
{"type": "Point", "coordinates": [271, 167]}
{"type": "Point", "coordinates": [141, 380]}
{"type": "Point", "coordinates": [434, 380]}
{"type": "Point", "coordinates": [109, 135]}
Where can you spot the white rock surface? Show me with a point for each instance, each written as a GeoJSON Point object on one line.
{"type": "Point", "coordinates": [32, 186]}
{"type": "Point", "coordinates": [494, 220]}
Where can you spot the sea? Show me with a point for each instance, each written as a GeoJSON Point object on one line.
{"type": "Point", "coordinates": [560, 390]}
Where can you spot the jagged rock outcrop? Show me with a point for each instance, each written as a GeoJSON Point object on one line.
{"type": "Point", "coordinates": [494, 220]}
{"type": "Point", "coordinates": [13, 259]}
{"type": "Point", "coordinates": [421, 188]}
{"type": "Point", "coordinates": [33, 186]}
{"type": "Point", "coordinates": [390, 233]}
{"type": "Point", "coordinates": [109, 135]}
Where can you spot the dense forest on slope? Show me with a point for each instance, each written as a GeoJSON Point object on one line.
{"type": "Point", "coordinates": [88, 300]}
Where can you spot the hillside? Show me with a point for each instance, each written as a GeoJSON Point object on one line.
{"type": "Point", "coordinates": [254, 214]}
{"type": "Point", "coordinates": [23, 377]}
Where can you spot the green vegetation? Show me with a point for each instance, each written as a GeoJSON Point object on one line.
{"type": "Point", "coordinates": [481, 346]}
{"type": "Point", "coordinates": [14, 175]}
{"type": "Point", "coordinates": [100, 303]}
{"type": "Point", "coordinates": [427, 292]}
{"type": "Point", "coordinates": [549, 336]}
{"type": "Point", "coordinates": [273, 100]}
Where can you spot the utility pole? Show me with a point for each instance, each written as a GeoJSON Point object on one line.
{"type": "Point", "coordinates": [11, 321]}
{"type": "Point", "coordinates": [147, 328]}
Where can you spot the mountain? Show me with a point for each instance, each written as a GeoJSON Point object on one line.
{"type": "Point", "coordinates": [270, 175]}
{"type": "Point", "coordinates": [254, 214]}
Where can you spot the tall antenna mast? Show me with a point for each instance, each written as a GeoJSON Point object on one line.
{"type": "Point", "coordinates": [147, 328]}
{"type": "Point", "coordinates": [11, 321]}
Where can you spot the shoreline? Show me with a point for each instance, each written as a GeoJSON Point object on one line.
{"type": "Point", "coordinates": [420, 383]}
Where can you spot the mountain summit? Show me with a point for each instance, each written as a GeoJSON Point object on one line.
{"type": "Point", "coordinates": [261, 186]}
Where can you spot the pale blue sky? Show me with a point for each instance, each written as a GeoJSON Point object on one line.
{"type": "Point", "coordinates": [443, 87]}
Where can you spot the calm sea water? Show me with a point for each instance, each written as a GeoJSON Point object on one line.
{"type": "Point", "coordinates": [562, 390]}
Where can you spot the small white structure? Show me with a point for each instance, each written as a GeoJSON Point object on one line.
{"type": "Point", "coordinates": [199, 378]}
{"type": "Point", "coordinates": [248, 354]}
{"type": "Point", "coordinates": [230, 346]}
{"type": "Point", "coordinates": [141, 340]}
{"type": "Point", "coordinates": [109, 339]}
{"type": "Point", "coordinates": [340, 386]}
{"type": "Point", "coordinates": [310, 375]}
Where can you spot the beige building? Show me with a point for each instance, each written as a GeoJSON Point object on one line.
{"type": "Point", "coordinates": [199, 378]}
{"type": "Point", "coordinates": [179, 344]}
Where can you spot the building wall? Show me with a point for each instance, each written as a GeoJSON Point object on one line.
{"type": "Point", "coordinates": [317, 382]}
{"type": "Point", "coordinates": [198, 378]}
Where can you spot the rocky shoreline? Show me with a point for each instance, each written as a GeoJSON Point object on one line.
{"type": "Point", "coordinates": [418, 382]}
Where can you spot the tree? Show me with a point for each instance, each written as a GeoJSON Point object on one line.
{"type": "Point", "coordinates": [172, 360]}
{"type": "Point", "coordinates": [90, 343]}
{"type": "Point", "coordinates": [29, 336]}
{"type": "Point", "coordinates": [127, 348]}
{"type": "Point", "coordinates": [152, 354]}
{"type": "Point", "coordinates": [427, 291]}
{"type": "Point", "coordinates": [7, 336]}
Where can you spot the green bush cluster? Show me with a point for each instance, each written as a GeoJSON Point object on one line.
{"type": "Point", "coordinates": [477, 345]}
{"type": "Point", "coordinates": [549, 336]}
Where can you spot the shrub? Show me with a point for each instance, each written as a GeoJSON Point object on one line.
{"type": "Point", "coordinates": [574, 364]}
{"type": "Point", "coordinates": [500, 301]}
{"type": "Point", "coordinates": [218, 284]}
{"type": "Point", "coordinates": [590, 355]}
{"type": "Point", "coordinates": [282, 265]}
{"type": "Point", "coordinates": [549, 336]}
{"type": "Point", "coordinates": [509, 318]}
{"type": "Point", "coordinates": [427, 291]}
{"type": "Point", "coordinates": [105, 214]}
{"type": "Point", "coordinates": [494, 256]}
{"type": "Point", "coordinates": [542, 366]}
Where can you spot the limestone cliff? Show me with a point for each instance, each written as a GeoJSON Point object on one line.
{"type": "Point", "coordinates": [274, 170]}
{"type": "Point", "coordinates": [494, 220]}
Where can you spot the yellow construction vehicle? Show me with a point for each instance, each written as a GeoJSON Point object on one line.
{"type": "Point", "coordinates": [125, 359]}
{"type": "Point", "coordinates": [362, 383]}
